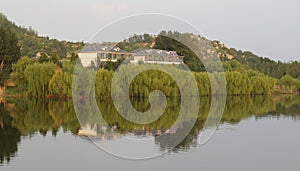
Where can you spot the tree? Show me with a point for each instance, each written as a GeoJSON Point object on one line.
{"type": "Point", "coordinates": [168, 42]}
{"type": "Point", "coordinates": [55, 58]}
{"type": "Point", "coordinates": [9, 53]}
{"type": "Point", "coordinates": [19, 75]}
{"type": "Point", "coordinates": [290, 83]}
{"type": "Point", "coordinates": [61, 84]}
{"type": "Point", "coordinates": [74, 57]}
{"type": "Point", "coordinates": [38, 76]}
{"type": "Point", "coordinates": [44, 58]}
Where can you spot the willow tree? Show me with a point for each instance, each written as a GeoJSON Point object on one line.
{"type": "Point", "coordinates": [19, 75]}
{"type": "Point", "coordinates": [61, 84]}
{"type": "Point", "coordinates": [38, 76]}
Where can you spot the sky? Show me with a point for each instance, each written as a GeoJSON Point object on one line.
{"type": "Point", "coordinates": [269, 28]}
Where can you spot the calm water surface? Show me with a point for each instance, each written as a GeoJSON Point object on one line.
{"type": "Point", "coordinates": [256, 133]}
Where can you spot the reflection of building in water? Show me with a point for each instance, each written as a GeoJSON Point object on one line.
{"type": "Point", "coordinates": [88, 131]}
{"type": "Point", "coordinates": [101, 132]}
{"type": "Point", "coordinates": [164, 138]}
{"type": "Point", "coordinates": [111, 133]}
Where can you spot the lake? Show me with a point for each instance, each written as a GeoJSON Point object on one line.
{"type": "Point", "coordinates": [255, 133]}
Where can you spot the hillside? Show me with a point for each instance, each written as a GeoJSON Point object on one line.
{"type": "Point", "coordinates": [165, 40]}
{"type": "Point", "coordinates": [276, 69]}
{"type": "Point", "coordinates": [236, 63]}
{"type": "Point", "coordinates": [31, 43]}
{"type": "Point", "coordinates": [285, 74]}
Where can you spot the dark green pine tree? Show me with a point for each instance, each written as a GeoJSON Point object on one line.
{"type": "Point", "coordinates": [9, 53]}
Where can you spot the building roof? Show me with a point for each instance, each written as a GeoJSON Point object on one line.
{"type": "Point", "coordinates": [155, 52]}
{"type": "Point", "coordinates": [98, 48]}
{"type": "Point", "coordinates": [101, 48]}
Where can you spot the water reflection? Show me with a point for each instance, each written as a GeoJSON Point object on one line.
{"type": "Point", "coordinates": [9, 136]}
{"type": "Point", "coordinates": [28, 117]}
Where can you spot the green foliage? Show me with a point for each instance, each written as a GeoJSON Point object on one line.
{"type": "Point", "coordinates": [9, 53]}
{"type": "Point", "coordinates": [44, 58]}
{"type": "Point", "coordinates": [74, 57]}
{"type": "Point", "coordinates": [246, 83]}
{"type": "Point", "coordinates": [166, 42]}
{"type": "Point", "coordinates": [233, 65]}
{"type": "Point", "coordinates": [103, 83]}
{"type": "Point", "coordinates": [38, 76]}
{"type": "Point", "coordinates": [290, 83]}
{"type": "Point", "coordinates": [19, 75]}
{"type": "Point", "coordinates": [241, 80]}
{"type": "Point", "coordinates": [31, 43]}
{"type": "Point", "coordinates": [109, 65]}
{"type": "Point", "coordinates": [136, 41]}
{"type": "Point", "coordinates": [43, 80]}
{"type": "Point", "coordinates": [60, 84]}
{"type": "Point", "coordinates": [55, 58]}
{"type": "Point", "coordinates": [68, 67]}
{"type": "Point", "coordinates": [261, 64]}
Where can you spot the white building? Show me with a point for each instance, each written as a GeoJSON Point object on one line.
{"type": "Point", "coordinates": [101, 53]}
{"type": "Point", "coordinates": [87, 58]}
{"type": "Point", "coordinates": [155, 56]}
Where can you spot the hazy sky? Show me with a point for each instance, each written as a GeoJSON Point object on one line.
{"type": "Point", "coordinates": [267, 27]}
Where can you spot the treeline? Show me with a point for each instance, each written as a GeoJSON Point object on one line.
{"type": "Point", "coordinates": [264, 65]}
{"type": "Point", "coordinates": [47, 79]}
{"type": "Point", "coordinates": [247, 83]}
{"type": "Point", "coordinates": [40, 79]}
{"type": "Point", "coordinates": [137, 41]}
{"type": "Point", "coordinates": [52, 75]}
{"type": "Point", "coordinates": [182, 43]}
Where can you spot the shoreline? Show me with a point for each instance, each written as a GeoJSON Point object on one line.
{"type": "Point", "coordinates": [3, 96]}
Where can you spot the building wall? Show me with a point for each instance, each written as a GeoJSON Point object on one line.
{"type": "Point", "coordinates": [151, 60]}
{"type": "Point", "coordinates": [136, 59]}
{"type": "Point", "coordinates": [86, 58]}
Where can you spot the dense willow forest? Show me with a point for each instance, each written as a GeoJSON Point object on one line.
{"type": "Point", "coordinates": [46, 79]}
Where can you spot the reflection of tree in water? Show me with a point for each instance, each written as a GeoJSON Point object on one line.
{"type": "Point", "coordinates": [168, 141]}
{"type": "Point", "coordinates": [237, 109]}
{"type": "Point", "coordinates": [288, 106]}
{"type": "Point", "coordinates": [32, 116]}
{"type": "Point", "coordinates": [9, 137]}
{"type": "Point", "coordinates": [44, 115]}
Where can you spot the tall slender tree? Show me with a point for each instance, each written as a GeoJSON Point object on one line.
{"type": "Point", "coordinates": [9, 53]}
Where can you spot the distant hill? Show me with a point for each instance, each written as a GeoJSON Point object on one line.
{"type": "Point", "coordinates": [30, 43]}
{"type": "Point", "coordinates": [276, 69]}
{"type": "Point", "coordinates": [245, 59]}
